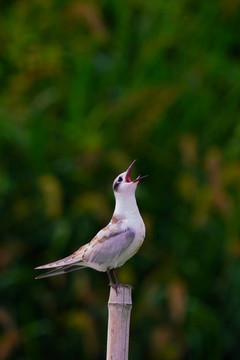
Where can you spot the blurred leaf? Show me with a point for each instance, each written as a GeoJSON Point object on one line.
{"type": "Point", "coordinates": [177, 299]}
{"type": "Point", "coordinates": [94, 203]}
{"type": "Point", "coordinates": [52, 195]}
{"type": "Point", "coordinates": [10, 337]}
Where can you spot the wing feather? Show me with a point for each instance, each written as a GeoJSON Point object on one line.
{"type": "Point", "coordinates": [72, 259]}
{"type": "Point", "coordinates": [108, 244]}
{"type": "Point", "coordinates": [111, 247]}
{"type": "Point", "coordinates": [60, 270]}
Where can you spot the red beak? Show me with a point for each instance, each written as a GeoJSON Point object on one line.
{"type": "Point", "coordinates": [128, 179]}
{"type": "Point", "coordinates": [140, 178]}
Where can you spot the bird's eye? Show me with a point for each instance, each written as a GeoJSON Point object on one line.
{"type": "Point", "coordinates": [119, 179]}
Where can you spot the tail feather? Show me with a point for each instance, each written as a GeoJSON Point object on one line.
{"type": "Point", "coordinates": [60, 263]}
{"type": "Point", "coordinates": [60, 270]}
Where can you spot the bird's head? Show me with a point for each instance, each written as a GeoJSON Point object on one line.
{"type": "Point", "coordinates": [123, 183]}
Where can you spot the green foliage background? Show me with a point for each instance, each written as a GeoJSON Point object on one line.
{"type": "Point", "coordinates": [86, 87]}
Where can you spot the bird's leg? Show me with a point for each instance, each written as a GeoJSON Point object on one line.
{"type": "Point", "coordinates": [112, 284]}
{"type": "Point", "coordinates": [110, 277]}
{"type": "Point", "coordinates": [117, 280]}
{"type": "Point", "coordinates": [116, 276]}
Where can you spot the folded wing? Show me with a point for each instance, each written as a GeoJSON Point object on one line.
{"type": "Point", "coordinates": [107, 245]}
{"type": "Point", "coordinates": [110, 247]}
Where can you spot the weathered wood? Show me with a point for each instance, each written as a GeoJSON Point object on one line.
{"type": "Point", "coordinates": [119, 310]}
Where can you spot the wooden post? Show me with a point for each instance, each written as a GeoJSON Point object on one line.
{"type": "Point", "coordinates": [119, 310]}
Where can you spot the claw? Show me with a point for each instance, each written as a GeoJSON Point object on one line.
{"type": "Point", "coordinates": [115, 287]}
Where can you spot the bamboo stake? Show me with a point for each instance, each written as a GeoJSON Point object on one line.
{"type": "Point", "coordinates": [119, 310]}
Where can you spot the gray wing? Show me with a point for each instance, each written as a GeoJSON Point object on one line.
{"type": "Point", "coordinates": [110, 247]}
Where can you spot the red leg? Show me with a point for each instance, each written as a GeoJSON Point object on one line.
{"type": "Point", "coordinates": [116, 276]}
{"type": "Point", "coordinates": [112, 284]}
{"type": "Point", "coordinates": [110, 277]}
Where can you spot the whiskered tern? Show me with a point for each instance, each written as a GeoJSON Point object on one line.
{"type": "Point", "coordinates": [115, 243]}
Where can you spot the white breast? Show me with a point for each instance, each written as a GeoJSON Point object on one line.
{"type": "Point", "coordinates": [139, 229]}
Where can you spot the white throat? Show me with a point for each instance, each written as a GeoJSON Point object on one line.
{"type": "Point", "coordinates": [126, 204]}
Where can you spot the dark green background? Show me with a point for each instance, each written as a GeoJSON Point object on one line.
{"type": "Point", "coordinates": [86, 87]}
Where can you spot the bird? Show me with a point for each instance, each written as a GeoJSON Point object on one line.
{"type": "Point", "coordinates": [114, 244]}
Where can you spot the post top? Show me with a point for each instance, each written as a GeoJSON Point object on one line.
{"type": "Point", "coordinates": [123, 295]}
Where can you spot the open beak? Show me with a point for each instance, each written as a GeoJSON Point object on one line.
{"type": "Point", "coordinates": [128, 179]}
{"type": "Point", "coordinates": [140, 178]}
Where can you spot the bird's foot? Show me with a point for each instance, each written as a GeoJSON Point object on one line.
{"type": "Point", "coordinates": [115, 286]}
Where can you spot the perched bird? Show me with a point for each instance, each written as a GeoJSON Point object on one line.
{"type": "Point", "coordinates": [115, 243]}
